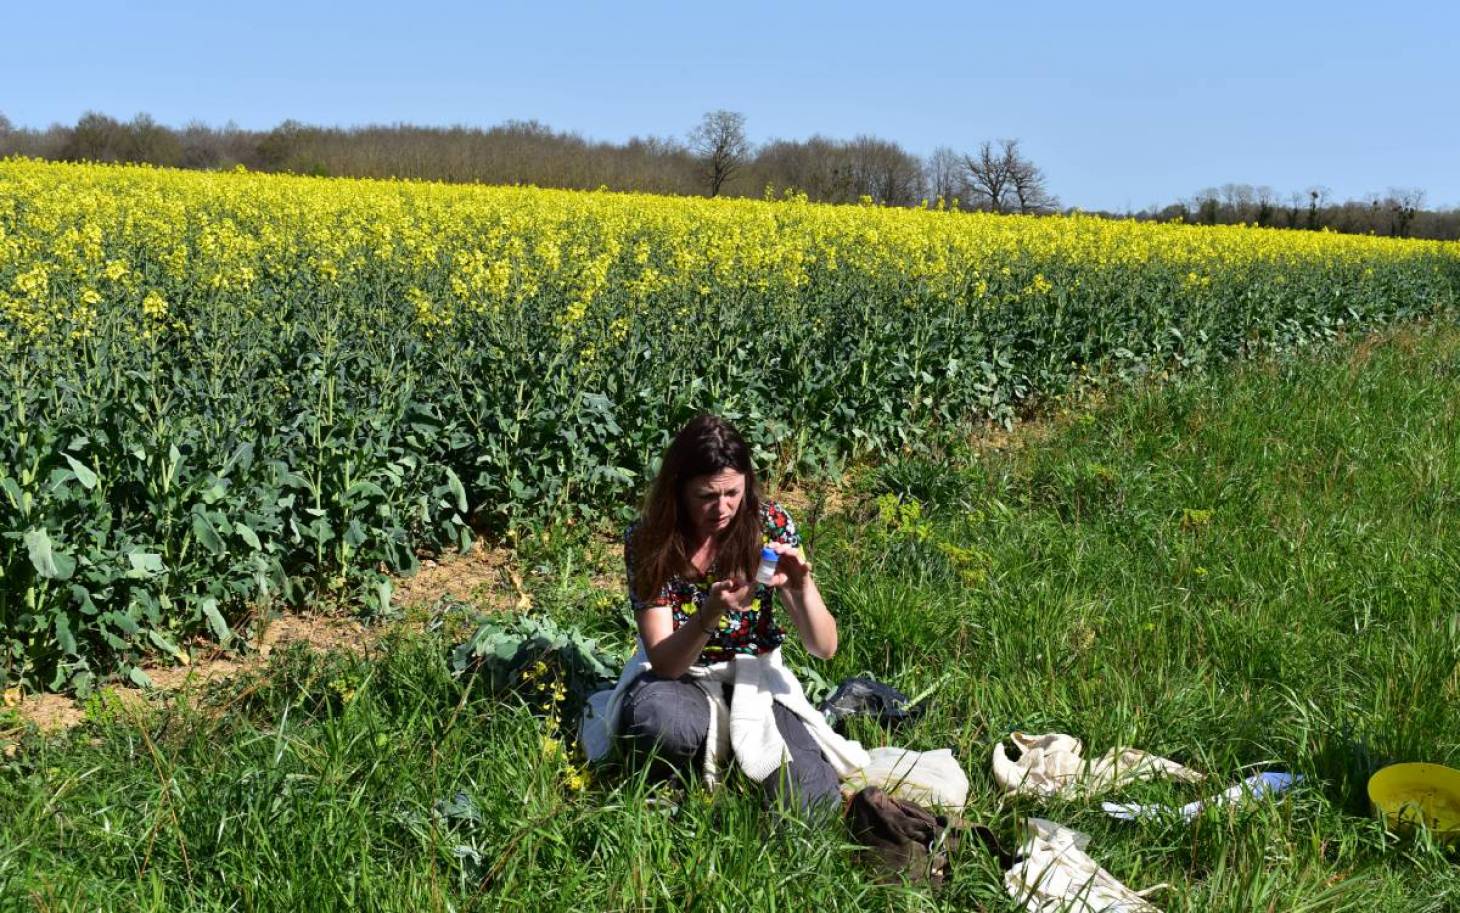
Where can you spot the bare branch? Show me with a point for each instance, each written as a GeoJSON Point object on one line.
{"type": "Point", "coordinates": [721, 146]}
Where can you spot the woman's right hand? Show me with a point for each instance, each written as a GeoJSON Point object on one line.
{"type": "Point", "coordinates": [673, 650]}
{"type": "Point", "coordinates": [727, 596]}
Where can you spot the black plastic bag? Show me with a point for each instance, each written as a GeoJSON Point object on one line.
{"type": "Point", "coordinates": [869, 697]}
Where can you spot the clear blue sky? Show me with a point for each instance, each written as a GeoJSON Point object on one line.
{"type": "Point", "coordinates": [1123, 104]}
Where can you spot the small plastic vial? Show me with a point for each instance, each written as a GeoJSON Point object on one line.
{"type": "Point", "coordinates": [768, 559]}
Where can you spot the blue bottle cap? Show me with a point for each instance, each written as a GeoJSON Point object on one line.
{"type": "Point", "coordinates": [769, 554]}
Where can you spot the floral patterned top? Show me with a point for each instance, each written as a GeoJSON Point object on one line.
{"type": "Point", "coordinates": [753, 631]}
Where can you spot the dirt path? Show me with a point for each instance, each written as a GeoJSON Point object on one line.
{"type": "Point", "coordinates": [483, 577]}
{"type": "Point", "coordinates": [54, 712]}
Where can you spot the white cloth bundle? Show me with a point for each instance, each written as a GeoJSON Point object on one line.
{"type": "Point", "coordinates": [1052, 764]}
{"type": "Point", "coordinates": [929, 778]}
{"type": "Point", "coordinates": [1055, 875]}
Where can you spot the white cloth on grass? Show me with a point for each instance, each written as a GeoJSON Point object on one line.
{"type": "Point", "coordinates": [746, 727]}
{"type": "Point", "coordinates": [1052, 764]}
{"type": "Point", "coordinates": [1054, 875]}
{"type": "Point", "coordinates": [929, 778]}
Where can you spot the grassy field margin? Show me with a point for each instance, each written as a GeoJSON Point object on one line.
{"type": "Point", "coordinates": [1255, 568]}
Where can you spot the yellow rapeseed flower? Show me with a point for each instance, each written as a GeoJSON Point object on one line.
{"type": "Point", "coordinates": [154, 306]}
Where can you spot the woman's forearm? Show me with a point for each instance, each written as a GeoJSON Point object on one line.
{"type": "Point", "coordinates": [674, 653]}
{"type": "Point", "coordinates": [816, 624]}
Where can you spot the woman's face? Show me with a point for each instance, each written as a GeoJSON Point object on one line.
{"type": "Point", "coordinates": [713, 500]}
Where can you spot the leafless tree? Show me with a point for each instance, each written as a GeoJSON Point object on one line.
{"type": "Point", "coordinates": [1399, 212]}
{"type": "Point", "coordinates": [800, 166]}
{"type": "Point", "coordinates": [1294, 208]}
{"type": "Point", "coordinates": [655, 145]}
{"type": "Point", "coordinates": [1266, 205]}
{"type": "Point", "coordinates": [96, 137]}
{"type": "Point", "coordinates": [149, 141]}
{"type": "Point", "coordinates": [1238, 201]}
{"type": "Point", "coordinates": [945, 172]}
{"type": "Point", "coordinates": [1027, 180]}
{"type": "Point", "coordinates": [1317, 201]}
{"type": "Point", "coordinates": [1404, 204]}
{"type": "Point", "coordinates": [721, 146]}
{"type": "Point", "coordinates": [839, 171]}
{"type": "Point", "coordinates": [988, 177]}
{"type": "Point", "coordinates": [884, 171]}
{"type": "Point", "coordinates": [1207, 206]}
{"type": "Point", "coordinates": [1002, 180]}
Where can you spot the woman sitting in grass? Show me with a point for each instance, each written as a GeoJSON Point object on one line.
{"type": "Point", "coordinates": [708, 680]}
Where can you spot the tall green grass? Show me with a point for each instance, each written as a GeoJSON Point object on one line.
{"type": "Point", "coordinates": [1253, 569]}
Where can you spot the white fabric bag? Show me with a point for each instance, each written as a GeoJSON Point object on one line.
{"type": "Point", "coordinates": [1053, 764]}
{"type": "Point", "coordinates": [1056, 876]}
{"type": "Point", "coordinates": [929, 778]}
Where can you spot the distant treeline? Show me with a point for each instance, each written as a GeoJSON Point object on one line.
{"type": "Point", "coordinates": [994, 177]}
{"type": "Point", "coordinates": [516, 152]}
{"type": "Point", "coordinates": [1399, 212]}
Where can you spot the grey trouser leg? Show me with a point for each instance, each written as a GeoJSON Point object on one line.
{"type": "Point", "coordinates": [668, 721]}
{"type": "Point", "coordinates": [807, 783]}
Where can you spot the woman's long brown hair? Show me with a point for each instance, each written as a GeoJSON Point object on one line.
{"type": "Point", "coordinates": [705, 446]}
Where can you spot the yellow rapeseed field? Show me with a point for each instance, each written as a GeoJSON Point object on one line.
{"type": "Point", "coordinates": [78, 240]}
{"type": "Point", "coordinates": [221, 389]}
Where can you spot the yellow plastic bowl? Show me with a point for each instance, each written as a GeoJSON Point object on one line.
{"type": "Point", "coordinates": [1406, 795]}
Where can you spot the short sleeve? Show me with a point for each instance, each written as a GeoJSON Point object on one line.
{"type": "Point", "coordinates": [634, 601]}
{"type": "Point", "coordinates": [779, 527]}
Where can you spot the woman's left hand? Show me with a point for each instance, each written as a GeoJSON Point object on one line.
{"type": "Point", "coordinates": [793, 571]}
